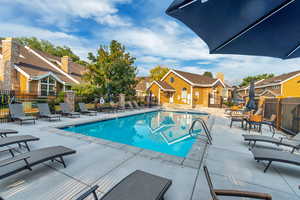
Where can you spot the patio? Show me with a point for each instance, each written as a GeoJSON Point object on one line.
{"type": "Point", "coordinates": [105, 163]}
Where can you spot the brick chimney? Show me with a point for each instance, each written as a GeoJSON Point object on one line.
{"type": "Point", "coordinates": [220, 76]}
{"type": "Point", "coordinates": [10, 55]}
{"type": "Point", "coordinates": [65, 62]}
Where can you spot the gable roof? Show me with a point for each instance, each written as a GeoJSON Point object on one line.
{"type": "Point", "coordinates": [195, 79]}
{"type": "Point", "coordinates": [276, 80]}
{"type": "Point", "coordinates": [35, 64]}
{"type": "Point", "coordinates": [163, 85]}
{"type": "Point", "coordinates": [142, 83]}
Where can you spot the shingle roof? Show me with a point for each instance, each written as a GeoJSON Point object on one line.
{"type": "Point", "coordinates": [278, 79]}
{"type": "Point", "coordinates": [35, 66]}
{"type": "Point", "coordinates": [164, 85]}
{"type": "Point", "coordinates": [196, 78]}
{"type": "Point", "coordinates": [142, 83]}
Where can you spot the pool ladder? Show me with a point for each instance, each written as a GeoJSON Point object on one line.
{"type": "Point", "coordinates": [204, 126]}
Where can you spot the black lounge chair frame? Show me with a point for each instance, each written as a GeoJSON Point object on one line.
{"type": "Point", "coordinates": [5, 132]}
{"type": "Point", "coordinates": [84, 110]}
{"type": "Point", "coordinates": [165, 185]}
{"type": "Point", "coordinates": [19, 140]}
{"type": "Point", "coordinates": [232, 193]}
{"type": "Point", "coordinates": [58, 157]}
{"type": "Point", "coordinates": [44, 112]}
{"type": "Point", "coordinates": [65, 109]}
{"type": "Point", "coordinates": [274, 156]}
{"type": "Point", "coordinates": [16, 113]}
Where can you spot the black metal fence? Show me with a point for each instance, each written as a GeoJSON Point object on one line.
{"type": "Point", "coordinates": [29, 101]}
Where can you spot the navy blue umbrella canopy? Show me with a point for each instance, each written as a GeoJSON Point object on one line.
{"type": "Point", "coordinates": [245, 27]}
{"type": "Point", "coordinates": [251, 102]}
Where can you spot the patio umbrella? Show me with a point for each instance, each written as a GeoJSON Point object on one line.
{"type": "Point", "coordinates": [248, 27]}
{"type": "Point", "coordinates": [251, 102]}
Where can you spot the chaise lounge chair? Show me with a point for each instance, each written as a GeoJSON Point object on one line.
{"type": "Point", "coordinates": [84, 110]}
{"type": "Point", "coordinates": [17, 113]}
{"type": "Point", "coordinates": [18, 140]}
{"type": "Point", "coordinates": [232, 193]}
{"type": "Point", "coordinates": [44, 111]}
{"type": "Point", "coordinates": [294, 142]}
{"type": "Point", "coordinates": [26, 161]}
{"type": "Point", "coordinates": [270, 155]}
{"type": "Point", "coordinates": [137, 186]}
{"type": "Point", "coordinates": [136, 105]}
{"type": "Point", "coordinates": [65, 109]}
{"type": "Point", "coordinates": [5, 132]}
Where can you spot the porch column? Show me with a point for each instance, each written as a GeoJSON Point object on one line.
{"type": "Point", "coordinates": [159, 96]}
{"type": "Point", "coordinates": [70, 99]}
{"type": "Point", "coordinates": [122, 100]}
{"type": "Point", "coordinates": [192, 95]}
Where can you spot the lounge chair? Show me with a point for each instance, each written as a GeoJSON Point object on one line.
{"type": "Point", "coordinates": [84, 110]}
{"type": "Point", "coordinates": [294, 142]}
{"type": "Point", "coordinates": [5, 132]}
{"type": "Point", "coordinates": [18, 140]}
{"type": "Point", "coordinates": [136, 186]}
{"type": "Point", "coordinates": [270, 155]}
{"type": "Point", "coordinates": [26, 161]}
{"type": "Point", "coordinates": [44, 111]}
{"type": "Point", "coordinates": [65, 109]}
{"type": "Point", "coordinates": [130, 105]}
{"type": "Point", "coordinates": [17, 113]}
{"type": "Point", "coordinates": [232, 193]}
{"type": "Point", "coordinates": [136, 105]}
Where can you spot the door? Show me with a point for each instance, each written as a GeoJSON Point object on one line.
{"type": "Point", "coordinates": [172, 98]}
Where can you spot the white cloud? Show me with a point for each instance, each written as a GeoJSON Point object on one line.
{"type": "Point", "coordinates": [63, 12]}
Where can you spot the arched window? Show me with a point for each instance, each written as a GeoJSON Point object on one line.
{"type": "Point", "coordinates": [184, 93]}
{"type": "Point", "coordinates": [172, 80]}
{"type": "Point", "coordinates": [48, 86]}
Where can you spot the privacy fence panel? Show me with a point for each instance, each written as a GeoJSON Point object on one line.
{"type": "Point", "coordinates": [270, 107]}
{"type": "Point", "coordinates": [290, 115]}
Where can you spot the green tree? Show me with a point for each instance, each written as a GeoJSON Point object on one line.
{"type": "Point", "coordinates": [158, 72]}
{"type": "Point", "coordinates": [208, 74]}
{"type": "Point", "coordinates": [112, 71]}
{"type": "Point", "coordinates": [248, 79]}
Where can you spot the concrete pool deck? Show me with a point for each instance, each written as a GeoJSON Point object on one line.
{"type": "Point", "coordinates": [105, 163]}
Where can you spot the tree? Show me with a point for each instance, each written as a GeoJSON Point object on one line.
{"type": "Point", "coordinates": [248, 79]}
{"type": "Point", "coordinates": [208, 74]}
{"type": "Point", "coordinates": [112, 71]}
{"type": "Point", "coordinates": [158, 72]}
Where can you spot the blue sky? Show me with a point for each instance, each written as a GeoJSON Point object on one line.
{"type": "Point", "coordinates": [141, 25]}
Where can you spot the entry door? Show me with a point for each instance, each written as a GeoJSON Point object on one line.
{"type": "Point", "coordinates": [171, 98]}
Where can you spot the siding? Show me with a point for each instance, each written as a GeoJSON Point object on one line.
{"type": "Point", "coordinates": [291, 88]}
{"type": "Point", "coordinates": [178, 85]}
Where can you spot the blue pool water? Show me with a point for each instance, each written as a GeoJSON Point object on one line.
{"type": "Point", "coordinates": [165, 132]}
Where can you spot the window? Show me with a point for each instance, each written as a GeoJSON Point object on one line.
{"type": "Point", "coordinates": [48, 86]}
{"type": "Point", "coordinates": [184, 93]}
{"type": "Point", "coordinates": [172, 80]}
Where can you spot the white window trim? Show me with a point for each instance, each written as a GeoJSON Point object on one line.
{"type": "Point", "coordinates": [48, 84]}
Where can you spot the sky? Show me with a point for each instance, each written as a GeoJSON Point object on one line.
{"type": "Point", "coordinates": [141, 25]}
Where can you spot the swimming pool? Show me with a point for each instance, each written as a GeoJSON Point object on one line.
{"type": "Point", "coordinates": [161, 131]}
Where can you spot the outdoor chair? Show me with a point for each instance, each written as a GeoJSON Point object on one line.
{"type": "Point", "coordinates": [270, 156]}
{"type": "Point", "coordinates": [17, 113]}
{"type": "Point", "coordinates": [44, 112]}
{"type": "Point", "coordinates": [66, 110]}
{"type": "Point", "coordinates": [130, 106]}
{"type": "Point", "coordinates": [238, 116]}
{"type": "Point", "coordinates": [19, 140]}
{"type": "Point", "coordinates": [271, 123]}
{"type": "Point", "coordinates": [5, 132]}
{"type": "Point", "coordinates": [136, 186]}
{"type": "Point", "coordinates": [232, 193]}
{"type": "Point", "coordinates": [25, 161]}
{"type": "Point", "coordinates": [84, 110]}
{"type": "Point", "coordinates": [136, 105]}
{"type": "Point", "coordinates": [293, 142]}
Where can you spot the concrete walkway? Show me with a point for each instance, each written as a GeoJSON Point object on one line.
{"type": "Point", "coordinates": [106, 163]}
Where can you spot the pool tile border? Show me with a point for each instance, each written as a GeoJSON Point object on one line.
{"type": "Point", "coordinates": [192, 160]}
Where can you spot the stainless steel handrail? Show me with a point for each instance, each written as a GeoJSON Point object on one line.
{"type": "Point", "coordinates": [204, 126]}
